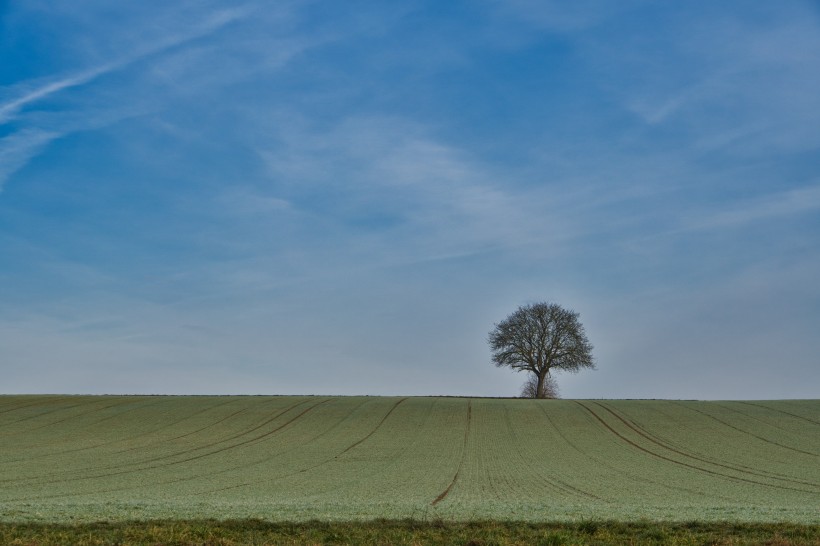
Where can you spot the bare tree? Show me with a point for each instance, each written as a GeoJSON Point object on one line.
{"type": "Point", "coordinates": [530, 387]}
{"type": "Point", "coordinates": [538, 338]}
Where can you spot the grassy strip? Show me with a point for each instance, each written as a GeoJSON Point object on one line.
{"type": "Point", "coordinates": [408, 532]}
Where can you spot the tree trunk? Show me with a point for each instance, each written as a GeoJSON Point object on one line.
{"type": "Point", "coordinates": [539, 391]}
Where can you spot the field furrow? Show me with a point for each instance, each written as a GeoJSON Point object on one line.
{"type": "Point", "coordinates": [97, 448]}
{"type": "Point", "coordinates": [293, 471]}
{"type": "Point", "coordinates": [441, 496]}
{"type": "Point", "coordinates": [372, 432]}
{"type": "Point", "coordinates": [20, 402]}
{"type": "Point", "coordinates": [29, 429]}
{"type": "Point", "coordinates": [814, 418]}
{"type": "Point", "coordinates": [544, 452]}
{"type": "Point", "coordinates": [685, 464]}
{"type": "Point", "coordinates": [119, 467]}
{"type": "Point", "coordinates": [699, 459]}
{"type": "Point", "coordinates": [49, 409]}
{"type": "Point", "coordinates": [677, 435]}
{"type": "Point", "coordinates": [188, 455]}
{"type": "Point", "coordinates": [272, 461]}
{"type": "Point", "coordinates": [591, 464]}
{"type": "Point", "coordinates": [747, 432]}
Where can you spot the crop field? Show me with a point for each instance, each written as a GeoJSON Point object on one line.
{"type": "Point", "coordinates": [282, 458]}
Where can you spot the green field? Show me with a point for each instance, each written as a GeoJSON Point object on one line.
{"type": "Point", "coordinates": [280, 458]}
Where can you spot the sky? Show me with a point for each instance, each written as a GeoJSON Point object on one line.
{"type": "Point", "coordinates": [305, 197]}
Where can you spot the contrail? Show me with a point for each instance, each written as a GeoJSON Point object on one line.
{"type": "Point", "coordinates": [212, 24]}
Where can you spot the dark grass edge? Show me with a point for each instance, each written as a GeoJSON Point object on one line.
{"type": "Point", "coordinates": [475, 533]}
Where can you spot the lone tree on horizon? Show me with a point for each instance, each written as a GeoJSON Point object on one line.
{"type": "Point", "coordinates": [538, 338]}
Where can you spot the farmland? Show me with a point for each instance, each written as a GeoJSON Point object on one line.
{"type": "Point", "coordinates": [68, 459]}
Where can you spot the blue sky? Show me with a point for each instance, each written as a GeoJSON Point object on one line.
{"type": "Point", "coordinates": [344, 197]}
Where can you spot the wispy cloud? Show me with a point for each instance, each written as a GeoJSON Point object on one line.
{"type": "Point", "coordinates": [17, 149]}
{"type": "Point", "coordinates": [34, 93]}
{"type": "Point", "coordinates": [430, 197]}
{"type": "Point", "coordinates": [784, 204]}
{"type": "Point", "coordinates": [12, 107]}
{"type": "Point", "coordinates": [566, 16]}
{"type": "Point", "coordinates": [742, 82]}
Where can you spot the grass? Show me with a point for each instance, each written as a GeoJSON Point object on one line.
{"type": "Point", "coordinates": [408, 533]}
{"type": "Point", "coordinates": [80, 459]}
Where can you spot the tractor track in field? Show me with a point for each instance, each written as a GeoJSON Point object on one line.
{"type": "Point", "coordinates": [308, 468]}
{"type": "Point", "coordinates": [268, 433]}
{"type": "Point", "coordinates": [16, 406]}
{"type": "Point", "coordinates": [145, 402]}
{"type": "Point", "coordinates": [780, 411]}
{"type": "Point", "coordinates": [255, 438]}
{"type": "Point", "coordinates": [767, 440]}
{"type": "Point", "coordinates": [115, 416]}
{"type": "Point", "coordinates": [33, 481]}
{"type": "Point", "coordinates": [753, 417]}
{"type": "Point", "coordinates": [69, 418]}
{"type": "Point", "coordinates": [736, 468]}
{"type": "Point", "coordinates": [261, 461]}
{"type": "Point", "coordinates": [720, 462]}
{"type": "Point", "coordinates": [446, 492]}
{"type": "Point", "coordinates": [621, 471]}
{"type": "Point", "coordinates": [8, 423]}
{"type": "Point", "coordinates": [139, 462]}
{"type": "Point", "coordinates": [6, 401]}
{"type": "Point", "coordinates": [131, 438]}
{"type": "Point", "coordinates": [681, 463]}
{"type": "Point", "coordinates": [223, 471]}
{"type": "Point", "coordinates": [191, 433]}
{"type": "Point", "coordinates": [285, 451]}
{"type": "Point", "coordinates": [13, 404]}
{"type": "Point", "coordinates": [210, 473]}
{"type": "Point", "coordinates": [576, 448]}
{"type": "Point", "coordinates": [372, 432]}
{"type": "Point", "coordinates": [554, 481]}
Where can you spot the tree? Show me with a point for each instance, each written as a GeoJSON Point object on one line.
{"type": "Point", "coordinates": [539, 338]}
